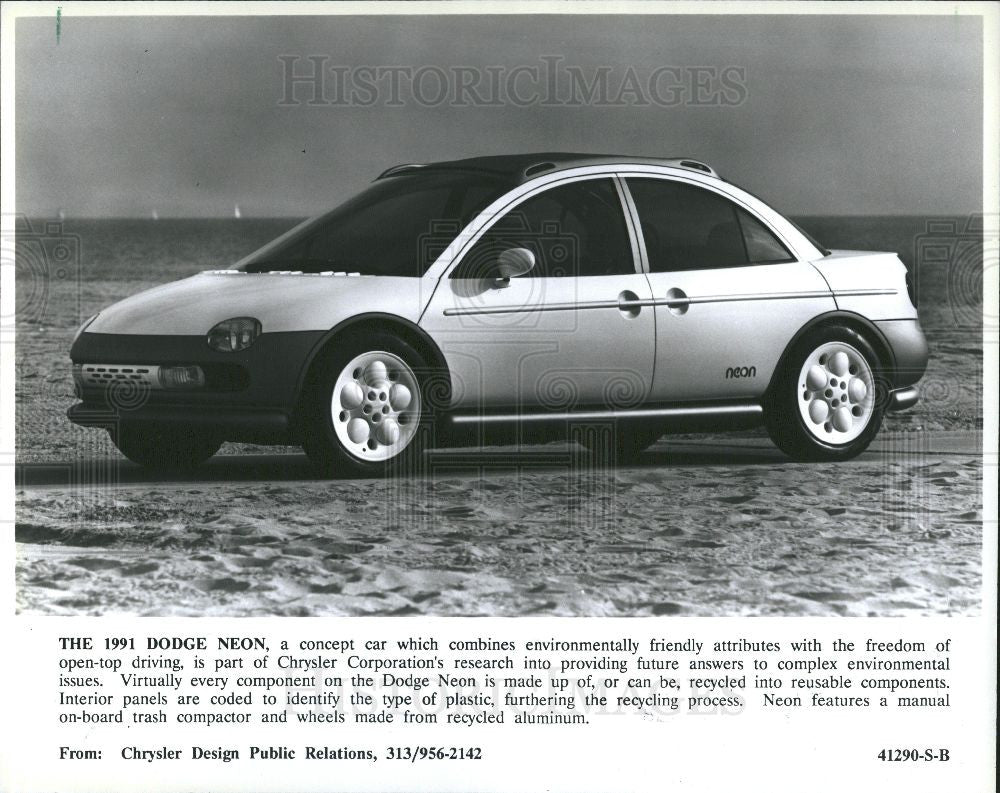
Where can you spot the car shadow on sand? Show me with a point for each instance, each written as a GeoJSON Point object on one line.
{"type": "Point", "coordinates": [442, 462]}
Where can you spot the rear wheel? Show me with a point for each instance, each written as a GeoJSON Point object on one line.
{"type": "Point", "coordinates": [829, 401]}
{"type": "Point", "coordinates": [164, 448]}
{"type": "Point", "coordinates": [367, 407]}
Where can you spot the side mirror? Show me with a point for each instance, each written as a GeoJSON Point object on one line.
{"type": "Point", "coordinates": [510, 264]}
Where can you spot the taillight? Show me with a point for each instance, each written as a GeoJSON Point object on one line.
{"type": "Point", "coordinates": [911, 286]}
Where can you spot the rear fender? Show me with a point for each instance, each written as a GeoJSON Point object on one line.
{"type": "Point", "coordinates": [849, 319]}
{"type": "Point", "coordinates": [869, 284]}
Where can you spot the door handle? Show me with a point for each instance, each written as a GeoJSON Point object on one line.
{"type": "Point", "coordinates": [677, 301]}
{"type": "Point", "coordinates": [629, 304]}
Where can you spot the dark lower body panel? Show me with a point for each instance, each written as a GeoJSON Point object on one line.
{"type": "Point", "coordinates": [261, 407]}
{"type": "Point", "coordinates": [511, 426]}
{"type": "Point", "coordinates": [266, 375]}
{"type": "Point", "coordinates": [249, 396]}
{"type": "Point", "coordinates": [277, 426]}
{"type": "Point", "coordinates": [246, 425]}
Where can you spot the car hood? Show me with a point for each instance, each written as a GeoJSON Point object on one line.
{"type": "Point", "coordinates": [280, 301]}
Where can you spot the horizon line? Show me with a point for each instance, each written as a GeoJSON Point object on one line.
{"type": "Point", "coordinates": [68, 217]}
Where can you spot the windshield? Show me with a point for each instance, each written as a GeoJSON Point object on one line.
{"type": "Point", "coordinates": [397, 226]}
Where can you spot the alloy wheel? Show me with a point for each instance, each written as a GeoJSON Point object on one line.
{"type": "Point", "coordinates": [836, 393]}
{"type": "Point", "coordinates": [375, 406]}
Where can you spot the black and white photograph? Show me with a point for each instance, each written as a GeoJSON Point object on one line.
{"type": "Point", "coordinates": [358, 316]}
{"type": "Point", "coordinates": [526, 310]}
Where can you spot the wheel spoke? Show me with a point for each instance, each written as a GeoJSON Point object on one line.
{"type": "Point", "coordinates": [376, 372]}
{"type": "Point", "coordinates": [351, 395]}
{"type": "Point", "coordinates": [357, 430]}
{"type": "Point", "coordinates": [816, 378]}
{"type": "Point", "coordinates": [399, 396]}
{"type": "Point", "coordinates": [818, 411]}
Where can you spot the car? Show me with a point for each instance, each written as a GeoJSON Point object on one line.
{"type": "Point", "coordinates": [512, 297]}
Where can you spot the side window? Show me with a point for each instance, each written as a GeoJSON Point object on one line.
{"type": "Point", "coordinates": [762, 246]}
{"type": "Point", "coordinates": [577, 229]}
{"type": "Point", "coordinates": [689, 228]}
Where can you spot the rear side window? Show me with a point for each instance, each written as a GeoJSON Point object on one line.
{"type": "Point", "coordinates": [688, 228]}
{"type": "Point", "coordinates": [762, 246]}
{"type": "Point", "coordinates": [577, 229]}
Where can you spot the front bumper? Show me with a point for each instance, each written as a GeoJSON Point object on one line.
{"type": "Point", "coordinates": [248, 395]}
{"type": "Point", "coordinates": [248, 425]}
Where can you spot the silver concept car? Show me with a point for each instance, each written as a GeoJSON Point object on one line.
{"type": "Point", "coordinates": [505, 298]}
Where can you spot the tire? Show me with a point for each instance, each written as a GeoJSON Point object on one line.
{"type": "Point", "coordinates": [164, 448]}
{"type": "Point", "coordinates": [828, 400]}
{"type": "Point", "coordinates": [367, 408]}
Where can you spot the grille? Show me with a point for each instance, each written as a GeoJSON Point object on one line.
{"type": "Point", "coordinates": [97, 375]}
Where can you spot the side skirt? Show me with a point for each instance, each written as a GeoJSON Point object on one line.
{"type": "Point", "coordinates": [499, 426]}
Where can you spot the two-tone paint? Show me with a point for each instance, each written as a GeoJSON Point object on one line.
{"type": "Point", "coordinates": [620, 344]}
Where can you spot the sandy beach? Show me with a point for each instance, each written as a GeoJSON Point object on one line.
{"type": "Point", "coordinates": [718, 525]}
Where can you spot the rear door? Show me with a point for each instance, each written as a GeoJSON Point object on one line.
{"type": "Point", "coordinates": [571, 332]}
{"type": "Point", "coordinates": [729, 293]}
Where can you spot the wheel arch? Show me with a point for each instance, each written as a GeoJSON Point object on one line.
{"type": "Point", "coordinates": [849, 319]}
{"type": "Point", "coordinates": [408, 332]}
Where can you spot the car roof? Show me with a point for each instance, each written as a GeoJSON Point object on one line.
{"type": "Point", "coordinates": [522, 167]}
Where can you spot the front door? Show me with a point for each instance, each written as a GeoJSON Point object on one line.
{"type": "Point", "coordinates": [569, 332]}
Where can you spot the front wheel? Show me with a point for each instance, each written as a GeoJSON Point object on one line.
{"type": "Point", "coordinates": [366, 406]}
{"type": "Point", "coordinates": [164, 449]}
{"type": "Point", "coordinates": [828, 403]}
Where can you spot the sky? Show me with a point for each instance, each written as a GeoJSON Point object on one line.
{"type": "Point", "coordinates": [191, 116]}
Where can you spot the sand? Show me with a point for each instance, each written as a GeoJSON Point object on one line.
{"type": "Point", "coordinates": [710, 526]}
{"type": "Point", "coordinates": [692, 528]}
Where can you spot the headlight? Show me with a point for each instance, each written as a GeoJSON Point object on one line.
{"type": "Point", "coordinates": [83, 327]}
{"type": "Point", "coordinates": [233, 335]}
